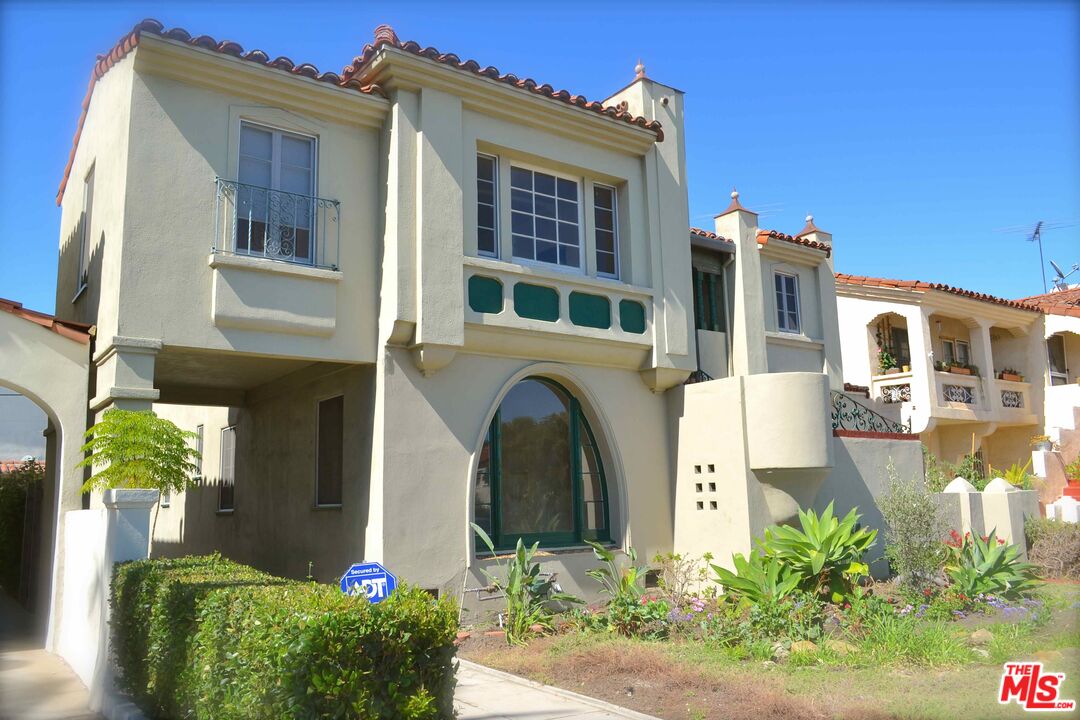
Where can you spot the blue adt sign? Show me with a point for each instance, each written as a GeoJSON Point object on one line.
{"type": "Point", "coordinates": [370, 579]}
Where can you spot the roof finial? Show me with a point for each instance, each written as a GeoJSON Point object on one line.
{"type": "Point", "coordinates": [734, 193]}
{"type": "Point", "coordinates": [809, 218]}
{"type": "Point", "coordinates": [385, 34]}
{"type": "Point", "coordinates": [810, 226]}
{"type": "Point", "coordinates": [735, 204]}
{"type": "Point", "coordinates": [639, 70]}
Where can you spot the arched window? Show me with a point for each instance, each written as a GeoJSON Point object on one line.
{"type": "Point", "coordinates": [540, 475]}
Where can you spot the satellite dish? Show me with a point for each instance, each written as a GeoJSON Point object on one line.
{"type": "Point", "coordinates": [1057, 269]}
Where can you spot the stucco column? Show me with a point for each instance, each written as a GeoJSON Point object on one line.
{"type": "Point", "coordinates": [830, 323]}
{"type": "Point", "coordinates": [748, 354]}
{"type": "Point", "coordinates": [125, 373]}
{"type": "Point", "coordinates": [983, 357]}
{"type": "Point", "coordinates": [440, 306]}
{"type": "Point", "coordinates": [923, 380]}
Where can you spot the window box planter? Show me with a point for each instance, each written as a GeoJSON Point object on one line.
{"type": "Point", "coordinates": [957, 370]}
{"type": "Point", "coordinates": [1011, 376]}
{"type": "Point", "coordinates": [891, 371]}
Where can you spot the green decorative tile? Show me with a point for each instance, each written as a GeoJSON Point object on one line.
{"type": "Point", "coordinates": [590, 310]}
{"type": "Point", "coordinates": [485, 294]}
{"type": "Point", "coordinates": [632, 316]}
{"type": "Point", "coordinates": [537, 302]}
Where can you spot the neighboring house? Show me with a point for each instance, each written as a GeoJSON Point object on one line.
{"type": "Point", "coordinates": [971, 372]}
{"type": "Point", "coordinates": [420, 293]}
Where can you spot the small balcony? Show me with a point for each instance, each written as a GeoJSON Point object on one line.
{"type": "Point", "coordinates": [275, 260]}
{"type": "Point", "coordinates": [258, 222]}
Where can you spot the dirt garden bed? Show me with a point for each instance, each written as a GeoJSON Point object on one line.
{"type": "Point", "coordinates": [694, 679]}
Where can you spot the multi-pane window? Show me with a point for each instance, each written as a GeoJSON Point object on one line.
{"type": "Point", "coordinates": [900, 348]}
{"type": "Point", "coordinates": [539, 476]}
{"type": "Point", "coordinates": [86, 238]}
{"type": "Point", "coordinates": [607, 235]}
{"type": "Point", "coordinates": [275, 203]}
{"type": "Point", "coordinates": [708, 301]}
{"type": "Point", "coordinates": [544, 218]}
{"type": "Point", "coordinates": [331, 447]}
{"type": "Point", "coordinates": [227, 481]}
{"type": "Point", "coordinates": [956, 352]}
{"type": "Point", "coordinates": [787, 302]}
{"type": "Point", "coordinates": [487, 206]}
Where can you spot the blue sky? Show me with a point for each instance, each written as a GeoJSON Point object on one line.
{"type": "Point", "coordinates": [911, 131]}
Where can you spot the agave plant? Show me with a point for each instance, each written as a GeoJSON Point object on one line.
{"type": "Point", "coordinates": [826, 554]}
{"type": "Point", "coordinates": [989, 566]}
{"type": "Point", "coordinates": [758, 578]}
{"type": "Point", "coordinates": [527, 593]}
{"type": "Point", "coordinates": [618, 583]}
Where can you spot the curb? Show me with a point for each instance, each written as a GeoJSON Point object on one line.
{"type": "Point", "coordinates": [568, 694]}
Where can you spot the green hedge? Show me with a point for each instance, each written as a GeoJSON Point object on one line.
{"type": "Point", "coordinates": [204, 637]}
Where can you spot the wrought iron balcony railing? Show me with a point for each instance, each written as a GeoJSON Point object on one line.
{"type": "Point", "coordinates": [277, 225]}
{"type": "Point", "coordinates": [847, 414]}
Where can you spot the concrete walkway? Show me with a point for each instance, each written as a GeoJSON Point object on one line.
{"type": "Point", "coordinates": [34, 684]}
{"type": "Point", "coordinates": [486, 694]}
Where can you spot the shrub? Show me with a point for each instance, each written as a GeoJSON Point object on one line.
{"type": "Point", "coordinates": [16, 488]}
{"type": "Point", "coordinates": [757, 578]}
{"type": "Point", "coordinates": [1054, 547]}
{"type": "Point", "coordinates": [988, 566]}
{"type": "Point", "coordinates": [527, 593]}
{"type": "Point", "coordinates": [204, 637]}
{"type": "Point", "coordinates": [679, 576]}
{"type": "Point", "coordinates": [826, 554]}
{"type": "Point", "coordinates": [913, 531]}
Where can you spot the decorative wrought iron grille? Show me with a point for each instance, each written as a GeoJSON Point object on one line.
{"type": "Point", "coordinates": [1012, 398]}
{"type": "Point", "coordinates": [847, 414]}
{"type": "Point", "coordinates": [958, 394]}
{"type": "Point", "coordinates": [278, 225]}
{"type": "Point", "coordinates": [896, 393]}
{"type": "Point", "coordinates": [698, 376]}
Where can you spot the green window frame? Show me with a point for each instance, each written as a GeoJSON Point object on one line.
{"type": "Point", "coordinates": [487, 515]}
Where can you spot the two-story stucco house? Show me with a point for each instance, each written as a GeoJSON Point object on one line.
{"type": "Point", "coordinates": [421, 293]}
{"type": "Point", "coordinates": [971, 373]}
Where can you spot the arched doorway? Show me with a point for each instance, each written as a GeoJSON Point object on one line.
{"type": "Point", "coordinates": [47, 360]}
{"type": "Point", "coordinates": [540, 475]}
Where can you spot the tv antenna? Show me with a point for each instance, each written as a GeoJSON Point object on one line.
{"type": "Point", "coordinates": [1035, 236]}
{"type": "Point", "coordinates": [1059, 281]}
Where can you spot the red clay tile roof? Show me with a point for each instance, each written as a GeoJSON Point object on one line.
{"type": "Point", "coordinates": [8, 466]}
{"type": "Point", "coordinates": [1059, 302]}
{"type": "Point", "coordinates": [846, 279]}
{"type": "Point", "coordinates": [79, 332]}
{"type": "Point", "coordinates": [709, 235]}
{"type": "Point", "coordinates": [226, 47]}
{"type": "Point", "coordinates": [385, 35]}
{"type": "Point", "coordinates": [776, 234]}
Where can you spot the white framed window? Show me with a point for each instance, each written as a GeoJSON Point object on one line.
{"type": "Point", "coordinates": [330, 442]}
{"type": "Point", "coordinates": [199, 432]}
{"type": "Point", "coordinates": [487, 205]}
{"type": "Point", "coordinates": [545, 218]}
{"type": "Point", "coordinates": [606, 231]}
{"type": "Point", "coordinates": [86, 237]}
{"type": "Point", "coordinates": [956, 352]}
{"type": "Point", "coordinates": [275, 204]}
{"type": "Point", "coordinates": [788, 317]}
{"type": "Point", "coordinates": [227, 481]}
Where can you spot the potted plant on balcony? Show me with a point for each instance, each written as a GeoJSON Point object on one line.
{"type": "Point", "coordinates": [960, 369]}
{"type": "Point", "coordinates": [940, 366]}
{"type": "Point", "coordinates": [1041, 442]}
{"type": "Point", "coordinates": [886, 362]}
{"type": "Point", "coordinates": [1011, 374]}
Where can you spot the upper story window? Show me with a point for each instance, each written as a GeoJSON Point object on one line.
{"type": "Point", "coordinates": [85, 236]}
{"type": "Point", "coordinates": [788, 317]}
{"type": "Point", "coordinates": [956, 352]}
{"type": "Point", "coordinates": [545, 218]}
{"type": "Point", "coordinates": [709, 301]}
{"type": "Point", "coordinates": [487, 205]}
{"type": "Point", "coordinates": [275, 204]}
{"type": "Point", "coordinates": [605, 219]}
